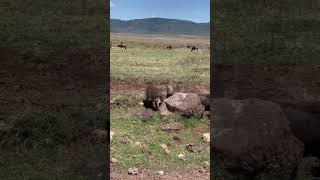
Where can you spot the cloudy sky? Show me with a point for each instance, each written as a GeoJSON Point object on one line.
{"type": "Point", "coordinates": [193, 10]}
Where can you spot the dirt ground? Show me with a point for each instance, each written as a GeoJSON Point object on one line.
{"type": "Point", "coordinates": [199, 174]}
{"type": "Point", "coordinates": [132, 86]}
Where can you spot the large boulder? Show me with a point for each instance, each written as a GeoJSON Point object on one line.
{"type": "Point", "coordinates": [253, 134]}
{"type": "Point", "coordinates": [185, 104]}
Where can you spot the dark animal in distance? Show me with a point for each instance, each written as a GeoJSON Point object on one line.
{"type": "Point", "coordinates": [122, 46]}
{"type": "Point", "coordinates": [189, 47]}
{"type": "Point", "coordinates": [194, 48]}
{"type": "Point", "coordinates": [169, 47]}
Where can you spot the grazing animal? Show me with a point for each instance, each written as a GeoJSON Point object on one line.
{"type": "Point", "coordinates": [169, 47]}
{"type": "Point", "coordinates": [194, 48]}
{"type": "Point", "coordinates": [189, 47]}
{"type": "Point", "coordinates": [122, 46]}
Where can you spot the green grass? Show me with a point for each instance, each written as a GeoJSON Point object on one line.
{"type": "Point", "coordinates": [160, 64]}
{"type": "Point", "coordinates": [123, 122]}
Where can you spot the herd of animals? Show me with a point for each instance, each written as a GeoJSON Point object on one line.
{"type": "Point", "coordinates": [169, 47]}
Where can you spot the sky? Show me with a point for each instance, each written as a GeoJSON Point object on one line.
{"type": "Point", "coordinates": [192, 10]}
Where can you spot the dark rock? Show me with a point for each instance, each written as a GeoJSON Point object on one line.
{"type": "Point", "coordinates": [145, 115]}
{"type": "Point", "coordinates": [193, 148]}
{"type": "Point", "coordinates": [177, 139]}
{"type": "Point", "coordinates": [252, 135]}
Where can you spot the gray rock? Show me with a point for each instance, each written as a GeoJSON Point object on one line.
{"type": "Point", "coordinates": [253, 134]}
{"type": "Point", "coordinates": [145, 115]}
{"type": "Point", "coordinates": [164, 110]}
{"type": "Point", "coordinates": [185, 104]}
{"type": "Point", "coordinates": [133, 171]}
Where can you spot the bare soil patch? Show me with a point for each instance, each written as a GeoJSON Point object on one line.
{"type": "Point", "coordinates": [131, 86]}
{"type": "Point", "coordinates": [199, 173]}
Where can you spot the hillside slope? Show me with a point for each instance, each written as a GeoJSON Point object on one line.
{"type": "Point", "coordinates": [160, 26]}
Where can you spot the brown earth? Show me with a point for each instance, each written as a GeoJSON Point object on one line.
{"type": "Point", "coordinates": [132, 86]}
{"type": "Point", "coordinates": [199, 174]}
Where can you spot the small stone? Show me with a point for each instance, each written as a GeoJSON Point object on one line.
{"type": "Point", "coordinates": [133, 171]}
{"type": "Point", "coordinates": [163, 146]}
{"type": "Point", "coordinates": [207, 163]}
{"type": "Point", "coordinates": [167, 151]}
{"type": "Point", "coordinates": [182, 157]}
{"type": "Point", "coordinates": [125, 139]}
{"type": "Point", "coordinates": [206, 114]}
{"type": "Point", "coordinates": [160, 173]}
{"type": "Point", "coordinates": [141, 103]}
{"type": "Point", "coordinates": [206, 137]}
{"type": "Point", "coordinates": [111, 135]}
{"type": "Point", "coordinates": [193, 148]}
{"type": "Point", "coordinates": [177, 139]}
{"type": "Point", "coordinates": [114, 160]}
{"type": "Point", "coordinates": [137, 143]}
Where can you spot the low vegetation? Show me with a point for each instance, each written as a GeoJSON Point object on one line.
{"type": "Point", "coordinates": [136, 143]}
{"type": "Point", "coordinates": [129, 128]}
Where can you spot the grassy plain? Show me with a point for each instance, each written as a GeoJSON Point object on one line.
{"type": "Point", "coordinates": [147, 59]}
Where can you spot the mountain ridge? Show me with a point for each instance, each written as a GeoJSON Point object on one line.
{"type": "Point", "coordinates": [159, 26]}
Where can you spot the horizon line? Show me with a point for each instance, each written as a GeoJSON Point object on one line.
{"type": "Point", "coordinates": [159, 18]}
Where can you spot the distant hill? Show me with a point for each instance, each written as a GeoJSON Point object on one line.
{"type": "Point", "coordinates": [160, 26]}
